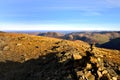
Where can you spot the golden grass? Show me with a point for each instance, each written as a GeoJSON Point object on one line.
{"type": "Point", "coordinates": [30, 46]}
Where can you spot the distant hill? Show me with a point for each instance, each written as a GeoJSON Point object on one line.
{"type": "Point", "coordinates": [51, 34]}
{"type": "Point", "coordinates": [112, 44]}
{"type": "Point", "coordinates": [1, 32]}
{"type": "Point", "coordinates": [90, 37]}
{"type": "Point", "coordinates": [30, 57]}
{"type": "Point", "coordinates": [98, 38]}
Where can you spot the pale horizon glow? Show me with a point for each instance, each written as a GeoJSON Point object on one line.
{"type": "Point", "coordinates": [64, 27]}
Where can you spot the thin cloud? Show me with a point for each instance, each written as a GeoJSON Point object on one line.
{"type": "Point", "coordinates": [113, 3]}
{"type": "Point", "coordinates": [92, 13]}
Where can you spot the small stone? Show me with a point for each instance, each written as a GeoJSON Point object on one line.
{"type": "Point", "coordinates": [26, 59]}
{"type": "Point", "coordinates": [98, 59]}
{"type": "Point", "coordinates": [59, 55]}
{"type": "Point", "coordinates": [6, 48]}
{"type": "Point", "coordinates": [114, 78]}
{"type": "Point", "coordinates": [18, 44]}
{"type": "Point", "coordinates": [93, 59]}
{"type": "Point", "coordinates": [108, 76]}
{"type": "Point", "coordinates": [79, 73]}
{"type": "Point", "coordinates": [89, 66]}
{"type": "Point", "coordinates": [66, 53]}
{"type": "Point", "coordinates": [105, 72]}
{"type": "Point", "coordinates": [89, 76]}
{"type": "Point", "coordinates": [77, 56]}
{"type": "Point", "coordinates": [82, 78]}
{"type": "Point", "coordinates": [99, 73]}
{"type": "Point", "coordinates": [101, 68]}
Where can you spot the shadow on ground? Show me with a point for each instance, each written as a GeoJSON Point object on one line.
{"type": "Point", "coordinates": [51, 67]}
{"type": "Point", "coordinates": [44, 68]}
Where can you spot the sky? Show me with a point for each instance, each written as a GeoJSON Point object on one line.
{"type": "Point", "coordinates": [60, 15]}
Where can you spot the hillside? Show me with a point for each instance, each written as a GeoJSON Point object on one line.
{"type": "Point", "coordinates": [51, 34]}
{"type": "Point", "coordinates": [29, 57]}
{"type": "Point", "coordinates": [113, 44]}
{"type": "Point", "coordinates": [98, 38]}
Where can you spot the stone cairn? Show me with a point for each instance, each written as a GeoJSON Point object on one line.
{"type": "Point", "coordinates": [90, 66]}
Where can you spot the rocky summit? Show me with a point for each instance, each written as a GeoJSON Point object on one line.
{"type": "Point", "coordinates": [28, 57]}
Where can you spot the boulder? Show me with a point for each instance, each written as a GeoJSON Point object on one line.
{"type": "Point", "coordinates": [77, 56]}
{"type": "Point", "coordinates": [99, 73]}
{"type": "Point", "coordinates": [89, 76]}
{"type": "Point", "coordinates": [114, 78]}
{"type": "Point", "coordinates": [89, 66]}
{"type": "Point", "coordinates": [105, 72]}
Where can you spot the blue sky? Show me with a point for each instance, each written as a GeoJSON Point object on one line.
{"type": "Point", "coordinates": [59, 14]}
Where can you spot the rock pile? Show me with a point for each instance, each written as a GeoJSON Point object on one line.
{"type": "Point", "coordinates": [89, 67]}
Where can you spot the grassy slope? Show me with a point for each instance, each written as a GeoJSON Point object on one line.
{"type": "Point", "coordinates": [16, 46]}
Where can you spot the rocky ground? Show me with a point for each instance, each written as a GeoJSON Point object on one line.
{"type": "Point", "coordinates": [25, 57]}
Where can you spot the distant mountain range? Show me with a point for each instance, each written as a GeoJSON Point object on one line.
{"type": "Point", "coordinates": [99, 38]}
